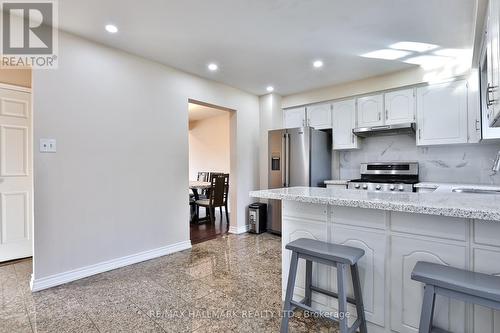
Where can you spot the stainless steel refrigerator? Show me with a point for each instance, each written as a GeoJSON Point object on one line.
{"type": "Point", "coordinates": [297, 157]}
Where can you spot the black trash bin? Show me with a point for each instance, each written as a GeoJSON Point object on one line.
{"type": "Point", "coordinates": [257, 217]}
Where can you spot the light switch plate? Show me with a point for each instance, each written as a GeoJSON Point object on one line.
{"type": "Point", "coordinates": [48, 145]}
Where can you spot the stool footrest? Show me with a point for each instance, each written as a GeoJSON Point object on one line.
{"type": "Point", "coordinates": [331, 294]}
{"type": "Point", "coordinates": [351, 329]}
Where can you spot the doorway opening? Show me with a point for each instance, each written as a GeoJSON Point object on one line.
{"type": "Point", "coordinates": [210, 140]}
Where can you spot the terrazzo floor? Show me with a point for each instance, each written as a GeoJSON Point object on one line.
{"type": "Point", "coordinates": [229, 284]}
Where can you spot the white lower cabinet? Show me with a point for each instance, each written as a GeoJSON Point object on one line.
{"type": "Point", "coordinates": [486, 320]}
{"type": "Point", "coordinates": [406, 294]}
{"type": "Point", "coordinates": [371, 269]}
{"type": "Point", "coordinates": [305, 223]}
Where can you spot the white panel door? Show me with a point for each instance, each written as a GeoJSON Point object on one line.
{"type": "Point", "coordinates": [344, 121]}
{"type": "Point", "coordinates": [319, 116]}
{"type": "Point", "coordinates": [371, 269]}
{"type": "Point", "coordinates": [442, 114]}
{"type": "Point", "coordinates": [15, 175]}
{"type": "Point", "coordinates": [407, 295]}
{"type": "Point", "coordinates": [293, 118]}
{"type": "Point", "coordinates": [400, 106]}
{"type": "Point", "coordinates": [301, 220]}
{"type": "Point", "coordinates": [488, 262]}
{"type": "Point", "coordinates": [370, 109]}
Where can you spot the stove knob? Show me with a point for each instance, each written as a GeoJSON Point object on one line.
{"type": "Point", "coordinates": [365, 186]}
{"type": "Point", "coordinates": [378, 187]}
{"type": "Point", "coordinates": [356, 186]}
{"type": "Point", "coordinates": [401, 188]}
{"type": "Point", "coordinates": [392, 188]}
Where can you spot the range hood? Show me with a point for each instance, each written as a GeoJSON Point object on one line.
{"type": "Point", "coordinates": [405, 128]}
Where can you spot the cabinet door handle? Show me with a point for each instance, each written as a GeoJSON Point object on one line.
{"type": "Point", "coordinates": [379, 116]}
{"type": "Point", "coordinates": [386, 114]}
{"type": "Point", "coordinates": [419, 134]}
{"type": "Point", "coordinates": [352, 138]}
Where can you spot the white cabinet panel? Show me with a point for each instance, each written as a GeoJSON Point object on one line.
{"type": "Point", "coordinates": [400, 106]}
{"type": "Point", "coordinates": [293, 118]}
{"type": "Point", "coordinates": [370, 109]}
{"type": "Point", "coordinates": [371, 269]}
{"type": "Point", "coordinates": [493, 55]}
{"type": "Point", "coordinates": [442, 113]}
{"type": "Point", "coordinates": [406, 294]}
{"type": "Point", "coordinates": [344, 121]}
{"type": "Point", "coordinates": [488, 262]}
{"type": "Point", "coordinates": [311, 223]}
{"type": "Point", "coordinates": [319, 116]}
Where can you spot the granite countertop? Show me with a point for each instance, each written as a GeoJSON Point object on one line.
{"type": "Point", "coordinates": [474, 206]}
{"type": "Point", "coordinates": [336, 182]}
{"type": "Point", "coordinates": [449, 186]}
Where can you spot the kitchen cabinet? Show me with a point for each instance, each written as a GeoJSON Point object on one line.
{"type": "Point", "coordinates": [486, 320]}
{"type": "Point", "coordinates": [442, 113]}
{"type": "Point", "coordinates": [344, 121]}
{"type": "Point", "coordinates": [399, 106]}
{"type": "Point", "coordinates": [370, 109]}
{"type": "Point", "coordinates": [371, 267]}
{"type": "Point", "coordinates": [491, 89]}
{"type": "Point", "coordinates": [293, 118]}
{"type": "Point", "coordinates": [319, 116]}
{"type": "Point", "coordinates": [407, 295]}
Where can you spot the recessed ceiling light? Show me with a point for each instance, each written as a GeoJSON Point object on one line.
{"type": "Point", "coordinates": [270, 89]}
{"type": "Point", "coordinates": [318, 64]}
{"type": "Point", "coordinates": [413, 46]}
{"type": "Point", "coordinates": [111, 28]}
{"type": "Point", "coordinates": [386, 54]}
{"type": "Point", "coordinates": [213, 67]}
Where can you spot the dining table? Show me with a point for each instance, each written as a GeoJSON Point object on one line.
{"type": "Point", "coordinates": [197, 186]}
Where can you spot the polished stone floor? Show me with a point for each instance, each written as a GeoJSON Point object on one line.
{"type": "Point", "coordinates": [229, 284]}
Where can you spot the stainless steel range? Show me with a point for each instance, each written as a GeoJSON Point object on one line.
{"type": "Point", "coordinates": [387, 176]}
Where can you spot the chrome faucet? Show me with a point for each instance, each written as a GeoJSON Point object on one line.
{"type": "Point", "coordinates": [496, 164]}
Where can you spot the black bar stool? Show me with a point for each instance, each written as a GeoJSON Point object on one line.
{"type": "Point", "coordinates": [339, 256]}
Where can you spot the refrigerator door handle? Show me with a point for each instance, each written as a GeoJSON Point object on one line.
{"type": "Point", "coordinates": [283, 161]}
{"type": "Point", "coordinates": [287, 160]}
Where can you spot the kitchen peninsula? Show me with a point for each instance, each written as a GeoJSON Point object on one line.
{"type": "Point", "coordinates": [396, 230]}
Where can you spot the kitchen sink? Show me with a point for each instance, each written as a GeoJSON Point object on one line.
{"type": "Point", "coordinates": [475, 190]}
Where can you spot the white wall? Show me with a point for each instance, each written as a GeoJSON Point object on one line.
{"type": "Point", "coordinates": [271, 117]}
{"type": "Point", "coordinates": [383, 82]}
{"type": "Point", "coordinates": [118, 184]}
{"type": "Point", "coordinates": [209, 145]}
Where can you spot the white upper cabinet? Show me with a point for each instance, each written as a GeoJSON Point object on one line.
{"type": "Point", "coordinates": [442, 114]}
{"type": "Point", "coordinates": [493, 60]}
{"type": "Point", "coordinates": [293, 118]}
{"type": "Point", "coordinates": [319, 116]}
{"type": "Point", "coordinates": [370, 109]}
{"type": "Point", "coordinates": [344, 120]}
{"type": "Point", "coordinates": [400, 106]}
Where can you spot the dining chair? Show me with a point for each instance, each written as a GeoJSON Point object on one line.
{"type": "Point", "coordinates": [217, 197]}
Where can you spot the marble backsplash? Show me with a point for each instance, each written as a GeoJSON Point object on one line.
{"type": "Point", "coordinates": [452, 163]}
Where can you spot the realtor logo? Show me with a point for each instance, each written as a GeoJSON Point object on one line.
{"type": "Point", "coordinates": [29, 34]}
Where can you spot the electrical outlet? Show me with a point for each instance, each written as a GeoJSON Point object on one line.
{"type": "Point", "coordinates": [48, 145]}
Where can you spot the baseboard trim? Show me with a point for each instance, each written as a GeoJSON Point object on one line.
{"type": "Point", "coordinates": [80, 273]}
{"type": "Point", "coordinates": [239, 230]}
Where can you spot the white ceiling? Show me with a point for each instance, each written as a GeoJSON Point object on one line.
{"type": "Point", "coordinates": [257, 43]}
{"type": "Point", "coordinates": [199, 112]}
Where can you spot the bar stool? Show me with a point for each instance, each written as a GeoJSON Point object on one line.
{"type": "Point", "coordinates": [467, 286]}
{"type": "Point", "coordinates": [339, 256]}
